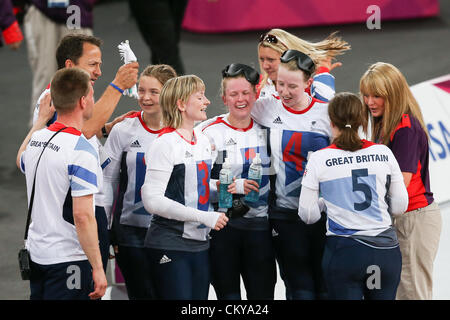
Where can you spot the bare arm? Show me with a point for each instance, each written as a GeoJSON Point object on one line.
{"type": "Point", "coordinates": [86, 226]}
{"type": "Point", "coordinates": [110, 125]}
{"type": "Point", "coordinates": [125, 78]}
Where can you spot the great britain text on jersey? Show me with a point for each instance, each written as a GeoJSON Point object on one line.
{"type": "Point", "coordinates": [358, 159]}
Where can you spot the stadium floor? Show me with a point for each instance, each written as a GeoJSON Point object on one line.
{"type": "Point", "coordinates": [420, 48]}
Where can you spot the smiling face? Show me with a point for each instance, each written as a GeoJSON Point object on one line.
{"type": "Point", "coordinates": [239, 96]}
{"type": "Point", "coordinates": [375, 104]}
{"type": "Point", "coordinates": [194, 109]}
{"type": "Point", "coordinates": [90, 61]}
{"type": "Point", "coordinates": [149, 90]}
{"type": "Point", "coordinates": [291, 86]}
{"type": "Point", "coordinates": [269, 60]}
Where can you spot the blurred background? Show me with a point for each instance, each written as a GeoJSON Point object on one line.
{"type": "Point", "coordinates": [216, 33]}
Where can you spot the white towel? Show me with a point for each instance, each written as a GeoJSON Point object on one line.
{"type": "Point", "coordinates": [128, 56]}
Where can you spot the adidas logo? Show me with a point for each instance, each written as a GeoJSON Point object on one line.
{"type": "Point", "coordinates": [278, 120]}
{"type": "Point", "coordinates": [135, 144]}
{"type": "Point", "coordinates": [230, 142]}
{"type": "Point", "coordinates": [188, 155]}
{"type": "Point", "coordinates": [164, 259]}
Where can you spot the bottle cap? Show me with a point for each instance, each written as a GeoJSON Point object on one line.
{"type": "Point", "coordinates": [256, 159]}
{"type": "Point", "coordinates": [226, 164]}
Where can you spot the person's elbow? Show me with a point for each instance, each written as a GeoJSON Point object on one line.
{"type": "Point", "coordinates": [152, 201]}
{"type": "Point", "coordinates": [83, 211]}
{"type": "Point", "coordinates": [90, 132]}
{"type": "Point", "coordinates": [399, 203]}
{"type": "Point", "coordinates": [306, 216]}
{"type": "Point", "coordinates": [19, 162]}
{"type": "Point", "coordinates": [82, 218]}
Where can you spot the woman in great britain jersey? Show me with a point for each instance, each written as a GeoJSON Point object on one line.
{"type": "Point", "coordinates": [176, 190]}
{"type": "Point", "coordinates": [360, 187]}
{"type": "Point", "coordinates": [124, 174]}
{"type": "Point", "coordinates": [244, 247]}
{"type": "Point", "coordinates": [298, 125]}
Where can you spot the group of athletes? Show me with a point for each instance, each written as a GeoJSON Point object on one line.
{"type": "Point", "coordinates": [327, 197]}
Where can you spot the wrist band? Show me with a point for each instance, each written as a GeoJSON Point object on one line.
{"type": "Point", "coordinates": [105, 134]}
{"type": "Point", "coordinates": [116, 87]}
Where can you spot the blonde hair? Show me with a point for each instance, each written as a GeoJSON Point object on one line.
{"type": "Point", "coordinates": [386, 81]}
{"type": "Point", "coordinates": [161, 72]}
{"type": "Point", "coordinates": [347, 113]}
{"type": "Point", "coordinates": [174, 90]}
{"type": "Point", "coordinates": [331, 46]}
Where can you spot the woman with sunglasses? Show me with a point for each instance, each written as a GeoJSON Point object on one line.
{"type": "Point", "coordinates": [124, 175]}
{"type": "Point", "coordinates": [176, 190]}
{"type": "Point", "coordinates": [299, 125]}
{"type": "Point", "coordinates": [244, 247]}
{"type": "Point", "coordinates": [273, 43]}
{"type": "Point", "coordinates": [360, 186]}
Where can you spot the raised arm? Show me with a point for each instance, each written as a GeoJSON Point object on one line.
{"type": "Point", "coordinates": [126, 77]}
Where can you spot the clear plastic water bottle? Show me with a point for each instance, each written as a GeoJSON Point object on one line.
{"type": "Point", "coordinates": [255, 174]}
{"type": "Point", "coordinates": [225, 178]}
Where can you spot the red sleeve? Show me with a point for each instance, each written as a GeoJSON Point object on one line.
{"type": "Point", "coordinates": [12, 33]}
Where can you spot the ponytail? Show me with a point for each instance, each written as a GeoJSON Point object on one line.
{"type": "Point", "coordinates": [346, 112]}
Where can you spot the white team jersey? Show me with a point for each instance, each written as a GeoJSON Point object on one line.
{"type": "Point", "coordinates": [68, 163]}
{"type": "Point", "coordinates": [293, 135]}
{"type": "Point", "coordinates": [99, 196]}
{"type": "Point", "coordinates": [354, 186]}
{"type": "Point", "coordinates": [190, 166]}
{"type": "Point", "coordinates": [128, 141]}
{"type": "Point", "coordinates": [240, 147]}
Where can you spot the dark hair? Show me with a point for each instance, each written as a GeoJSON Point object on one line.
{"type": "Point", "coordinates": [68, 86]}
{"type": "Point", "coordinates": [347, 113]}
{"type": "Point", "coordinates": [71, 47]}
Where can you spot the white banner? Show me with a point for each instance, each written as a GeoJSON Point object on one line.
{"type": "Point", "coordinates": [433, 97]}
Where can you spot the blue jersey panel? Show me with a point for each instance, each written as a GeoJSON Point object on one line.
{"type": "Point", "coordinates": [363, 200]}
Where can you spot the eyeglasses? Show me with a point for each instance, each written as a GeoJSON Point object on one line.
{"type": "Point", "coordinates": [304, 62]}
{"type": "Point", "coordinates": [235, 69]}
{"type": "Point", "coordinates": [270, 38]}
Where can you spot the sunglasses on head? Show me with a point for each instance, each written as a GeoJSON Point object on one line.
{"type": "Point", "coordinates": [270, 38]}
{"type": "Point", "coordinates": [304, 62]}
{"type": "Point", "coordinates": [235, 69]}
